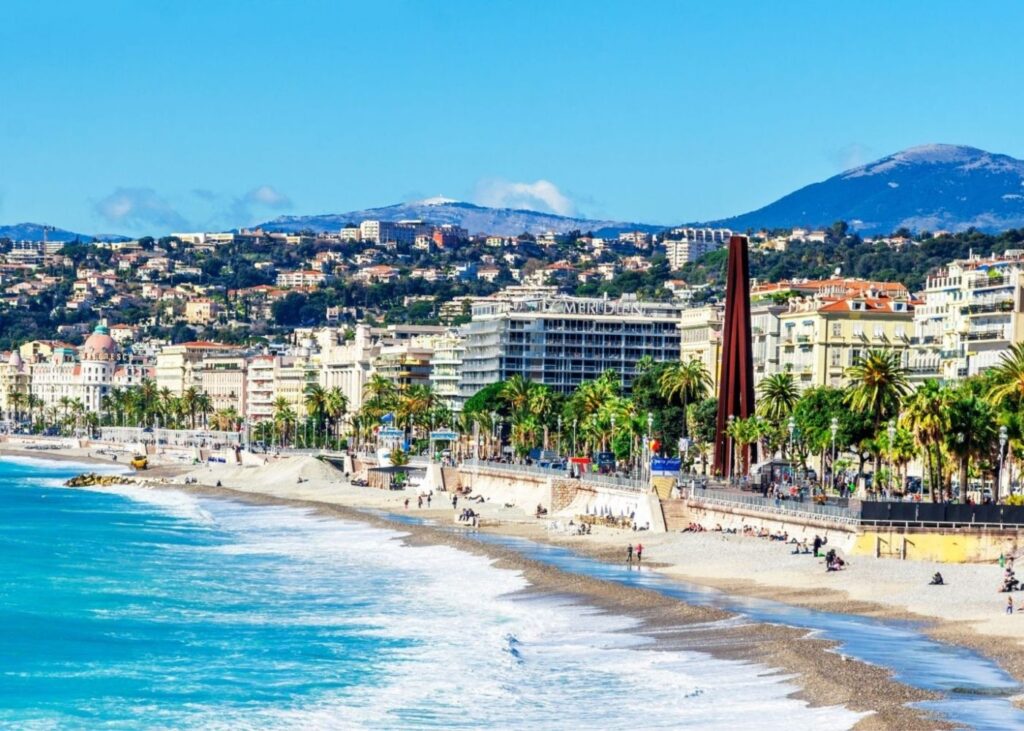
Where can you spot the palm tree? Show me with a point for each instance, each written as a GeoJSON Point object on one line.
{"type": "Point", "coordinates": [744, 432]}
{"type": "Point", "coordinates": [335, 406]}
{"type": "Point", "coordinates": [284, 418]}
{"type": "Point", "coordinates": [779, 396]}
{"type": "Point", "coordinates": [204, 406]}
{"type": "Point", "coordinates": [315, 402]}
{"type": "Point", "coordinates": [972, 432]}
{"type": "Point", "coordinates": [166, 406]}
{"type": "Point", "coordinates": [190, 401]}
{"type": "Point", "coordinates": [878, 385]}
{"type": "Point", "coordinates": [516, 393]}
{"type": "Point", "coordinates": [148, 395]}
{"type": "Point", "coordinates": [689, 381]}
{"type": "Point", "coordinates": [1007, 378]}
{"type": "Point", "coordinates": [379, 389]}
{"type": "Point", "coordinates": [926, 415]}
{"type": "Point", "coordinates": [17, 401]}
{"type": "Point", "coordinates": [225, 419]}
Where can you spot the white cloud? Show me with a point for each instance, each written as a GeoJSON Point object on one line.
{"type": "Point", "coordinates": [268, 197]}
{"type": "Point", "coordinates": [540, 195]}
{"type": "Point", "coordinates": [245, 209]}
{"type": "Point", "coordinates": [140, 209]}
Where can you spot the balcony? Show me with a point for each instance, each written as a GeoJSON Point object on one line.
{"type": "Point", "coordinates": [986, 282]}
{"type": "Point", "coordinates": [985, 335]}
{"type": "Point", "coordinates": [984, 308]}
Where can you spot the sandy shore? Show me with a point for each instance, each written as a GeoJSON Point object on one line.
{"type": "Point", "coordinates": [734, 564]}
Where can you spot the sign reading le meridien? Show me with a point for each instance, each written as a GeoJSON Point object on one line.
{"type": "Point", "coordinates": [593, 307]}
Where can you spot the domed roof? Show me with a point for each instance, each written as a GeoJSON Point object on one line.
{"type": "Point", "coordinates": [99, 344]}
{"type": "Point", "coordinates": [15, 360]}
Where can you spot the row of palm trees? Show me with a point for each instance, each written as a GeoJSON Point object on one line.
{"type": "Point", "coordinates": [414, 408]}
{"type": "Point", "coordinates": [961, 428]}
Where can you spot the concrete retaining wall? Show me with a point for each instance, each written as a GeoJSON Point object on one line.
{"type": "Point", "coordinates": [685, 512]}
{"type": "Point", "coordinates": [949, 545]}
{"type": "Point", "coordinates": [524, 490]}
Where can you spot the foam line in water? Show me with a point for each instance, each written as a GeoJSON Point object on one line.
{"type": "Point", "coordinates": [275, 617]}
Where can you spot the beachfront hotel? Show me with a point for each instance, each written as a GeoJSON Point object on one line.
{"type": "Point", "coordinates": [973, 310]}
{"type": "Point", "coordinates": [563, 341]}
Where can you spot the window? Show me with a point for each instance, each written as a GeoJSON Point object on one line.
{"type": "Point", "coordinates": [837, 329]}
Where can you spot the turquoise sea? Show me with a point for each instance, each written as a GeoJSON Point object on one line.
{"type": "Point", "coordinates": [141, 609]}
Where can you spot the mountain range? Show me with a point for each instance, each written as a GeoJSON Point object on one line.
{"type": "Point", "coordinates": [474, 218]}
{"type": "Point", "coordinates": [930, 187]}
{"type": "Point", "coordinates": [34, 232]}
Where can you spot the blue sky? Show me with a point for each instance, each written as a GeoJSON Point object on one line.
{"type": "Point", "coordinates": [153, 116]}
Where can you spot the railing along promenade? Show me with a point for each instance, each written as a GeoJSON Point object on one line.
{"type": "Point", "coordinates": [615, 482]}
{"type": "Point", "coordinates": [770, 507]}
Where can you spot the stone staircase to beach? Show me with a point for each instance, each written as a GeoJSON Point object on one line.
{"type": "Point", "coordinates": [676, 513]}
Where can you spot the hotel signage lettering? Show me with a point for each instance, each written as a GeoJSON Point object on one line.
{"type": "Point", "coordinates": [585, 307]}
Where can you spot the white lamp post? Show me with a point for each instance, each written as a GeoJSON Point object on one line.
{"type": "Point", "coordinates": [891, 431]}
{"type": "Point", "coordinates": [834, 428]}
{"type": "Point", "coordinates": [792, 447]}
{"type": "Point", "coordinates": [1003, 438]}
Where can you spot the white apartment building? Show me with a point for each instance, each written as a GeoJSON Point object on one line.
{"type": "Point", "coordinates": [973, 311]}
{"type": "Point", "coordinates": [382, 232]}
{"type": "Point", "coordinates": [347, 364]}
{"type": "Point", "coordinates": [700, 338]}
{"type": "Point", "coordinates": [223, 379]}
{"type": "Point", "coordinates": [178, 366]}
{"type": "Point", "coordinates": [680, 252]}
{"type": "Point", "coordinates": [446, 370]}
{"type": "Point", "coordinates": [272, 377]}
{"type": "Point", "coordinates": [301, 278]}
{"type": "Point", "coordinates": [562, 341]}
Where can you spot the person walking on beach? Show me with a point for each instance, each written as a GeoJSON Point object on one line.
{"type": "Point", "coordinates": [1009, 605]}
{"type": "Point", "coordinates": [428, 500]}
{"type": "Point", "coordinates": [407, 503]}
{"type": "Point", "coordinates": [455, 502]}
{"type": "Point", "coordinates": [639, 553]}
{"type": "Point", "coordinates": [629, 554]}
{"type": "Point", "coordinates": [419, 501]}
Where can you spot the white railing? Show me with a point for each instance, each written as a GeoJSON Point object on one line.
{"type": "Point", "coordinates": [616, 482]}
{"type": "Point", "coordinates": [807, 511]}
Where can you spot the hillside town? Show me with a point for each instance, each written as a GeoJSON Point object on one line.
{"type": "Point", "coordinates": [162, 315]}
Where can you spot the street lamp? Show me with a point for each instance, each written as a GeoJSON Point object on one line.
{"type": "Point", "coordinates": [1003, 438]}
{"type": "Point", "coordinates": [611, 442]}
{"type": "Point", "coordinates": [792, 447]}
{"type": "Point", "coordinates": [559, 435]}
{"type": "Point", "coordinates": [574, 437]}
{"type": "Point", "coordinates": [731, 445]}
{"type": "Point", "coordinates": [649, 442]}
{"type": "Point", "coordinates": [834, 428]}
{"type": "Point", "coordinates": [891, 431]}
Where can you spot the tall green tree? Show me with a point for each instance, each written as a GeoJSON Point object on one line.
{"type": "Point", "coordinates": [779, 396]}
{"type": "Point", "coordinates": [686, 381]}
{"type": "Point", "coordinates": [926, 414]}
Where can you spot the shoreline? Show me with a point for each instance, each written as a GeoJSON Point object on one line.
{"type": "Point", "coordinates": [821, 677]}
